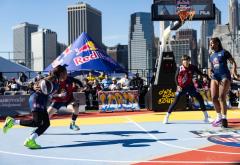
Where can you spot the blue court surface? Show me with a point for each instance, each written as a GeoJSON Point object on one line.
{"type": "Point", "coordinates": [130, 141]}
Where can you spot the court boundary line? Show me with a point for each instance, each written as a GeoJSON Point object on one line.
{"type": "Point", "coordinates": [129, 161]}
{"type": "Point", "coordinates": [176, 146]}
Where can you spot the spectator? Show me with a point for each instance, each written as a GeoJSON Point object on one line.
{"type": "Point", "coordinates": [22, 78]}
{"type": "Point", "coordinates": [14, 86]}
{"type": "Point", "coordinates": [101, 77]}
{"type": "Point", "coordinates": [2, 80]}
{"type": "Point", "coordinates": [87, 89]}
{"type": "Point", "coordinates": [136, 83]}
{"type": "Point", "coordinates": [2, 83]}
{"type": "Point", "coordinates": [114, 86]}
{"type": "Point", "coordinates": [91, 77]}
{"type": "Point", "coordinates": [106, 82]}
{"type": "Point", "coordinates": [125, 82]}
{"type": "Point", "coordinates": [96, 87]}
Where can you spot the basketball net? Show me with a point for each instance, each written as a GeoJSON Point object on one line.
{"type": "Point", "coordinates": [186, 15]}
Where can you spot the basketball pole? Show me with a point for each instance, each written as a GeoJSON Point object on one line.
{"type": "Point", "coordinates": [164, 40]}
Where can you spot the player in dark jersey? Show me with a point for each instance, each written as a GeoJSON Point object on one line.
{"type": "Point", "coordinates": [220, 79]}
{"type": "Point", "coordinates": [64, 97]}
{"type": "Point", "coordinates": [38, 104]}
{"type": "Point", "coordinates": [184, 76]}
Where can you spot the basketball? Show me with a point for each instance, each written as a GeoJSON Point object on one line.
{"type": "Point", "coordinates": [46, 87]}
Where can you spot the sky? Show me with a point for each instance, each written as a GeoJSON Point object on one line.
{"type": "Point", "coordinates": [52, 14]}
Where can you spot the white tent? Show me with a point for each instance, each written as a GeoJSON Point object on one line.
{"type": "Point", "coordinates": [11, 69]}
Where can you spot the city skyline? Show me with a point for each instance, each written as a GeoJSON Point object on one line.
{"type": "Point", "coordinates": [115, 18]}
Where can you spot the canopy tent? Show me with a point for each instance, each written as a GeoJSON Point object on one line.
{"type": "Point", "coordinates": [84, 55]}
{"type": "Point", "coordinates": [11, 69]}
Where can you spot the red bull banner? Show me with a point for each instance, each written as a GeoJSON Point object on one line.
{"type": "Point", "coordinates": [83, 54]}
{"type": "Point", "coordinates": [118, 100]}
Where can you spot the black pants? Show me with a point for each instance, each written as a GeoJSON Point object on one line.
{"type": "Point", "coordinates": [191, 90]}
{"type": "Point", "coordinates": [40, 120]}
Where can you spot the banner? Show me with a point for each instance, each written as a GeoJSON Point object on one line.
{"type": "Point", "coordinates": [14, 105]}
{"type": "Point", "coordinates": [118, 100]}
{"type": "Point", "coordinates": [83, 54]}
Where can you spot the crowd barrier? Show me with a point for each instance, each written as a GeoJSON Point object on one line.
{"type": "Point", "coordinates": [13, 105]}
{"type": "Point", "coordinates": [118, 100]}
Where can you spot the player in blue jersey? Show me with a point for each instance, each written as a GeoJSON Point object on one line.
{"type": "Point", "coordinates": [38, 105]}
{"type": "Point", "coordinates": [220, 79]}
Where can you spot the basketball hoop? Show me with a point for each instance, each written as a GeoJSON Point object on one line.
{"type": "Point", "coordinates": [186, 15]}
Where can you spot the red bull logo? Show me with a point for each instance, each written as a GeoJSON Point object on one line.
{"type": "Point", "coordinates": [81, 60]}
{"type": "Point", "coordinates": [86, 47]}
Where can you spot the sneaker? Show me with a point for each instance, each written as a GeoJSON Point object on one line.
{"type": "Point", "coordinates": [74, 127]}
{"type": "Point", "coordinates": [224, 123]}
{"type": "Point", "coordinates": [208, 120]}
{"type": "Point", "coordinates": [9, 123]}
{"type": "Point", "coordinates": [165, 120]}
{"type": "Point", "coordinates": [217, 123]}
{"type": "Point", "coordinates": [31, 144]}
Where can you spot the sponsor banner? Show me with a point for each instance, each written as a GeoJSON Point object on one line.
{"type": "Point", "coordinates": [118, 100]}
{"type": "Point", "coordinates": [14, 105]}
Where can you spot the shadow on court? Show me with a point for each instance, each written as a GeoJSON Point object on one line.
{"type": "Point", "coordinates": [124, 142]}
{"type": "Point", "coordinates": [117, 133]}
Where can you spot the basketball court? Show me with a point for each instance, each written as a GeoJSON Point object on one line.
{"type": "Point", "coordinates": [128, 138]}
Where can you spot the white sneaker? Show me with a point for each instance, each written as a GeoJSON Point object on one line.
{"type": "Point", "coordinates": [165, 120]}
{"type": "Point", "coordinates": [208, 120]}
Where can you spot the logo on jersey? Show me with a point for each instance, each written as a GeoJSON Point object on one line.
{"type": "Point", "coordinates": [215, 63]}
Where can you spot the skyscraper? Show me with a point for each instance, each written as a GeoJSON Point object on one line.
{"type": "Point", "coordinates": [120, 54]}
{"type": "Point", "coordinates": [141, 42]}
{"type": "Point", "coordinates": [185, 43]}
{"type": "Point", "coordinates": [233, 17]}
{"type": "Point", "coordinates": [207, 28]}
{"type": "Point", "coordinates": [44, 48]}
{"type": "Point", "coordinates": [84, 18]}
{"type": "Point", "coordinates": [22, 42]}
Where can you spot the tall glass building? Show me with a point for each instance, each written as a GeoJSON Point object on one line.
{"type": "Point", "coordinates": [22, 43]}
{"type": "Point", "coordinates": [44, 48]}
{"type": "Point", "coordinates": [141, 42]}
{"type": "Point", "coordinates": [84, 18]}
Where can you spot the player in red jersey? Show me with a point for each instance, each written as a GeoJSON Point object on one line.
{"type": "Point", "coordinates": [64, 97]}
{"type": "Point", "coordinates": [184, 76]}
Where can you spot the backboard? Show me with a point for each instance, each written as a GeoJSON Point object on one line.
{"type": "Point", "coordinates": [167, 9]}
